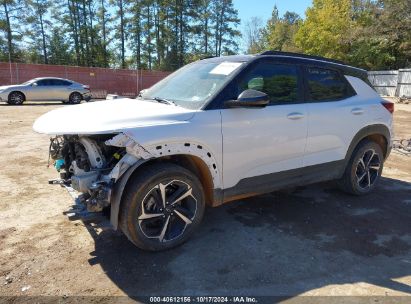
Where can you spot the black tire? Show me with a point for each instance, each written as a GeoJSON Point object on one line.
{"type": "Point", "coordinates": [75, 98]}
{"type": "Point", "coordinates": [16, 98]}
{"type": "Point", "coordinates": [172, 224]}
{"type": "Point", "coordinates": [364, 169]}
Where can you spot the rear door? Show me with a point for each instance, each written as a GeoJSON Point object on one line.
{"type": "Point", "coordinates": [264, 141]}
{"type": "Point", "coordinates": [336, 114]}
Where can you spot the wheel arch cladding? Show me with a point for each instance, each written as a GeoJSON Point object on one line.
{"type": "Point", "coordinates": [378, 133]}
{"type": "Point", "coordinates": [207, 173]}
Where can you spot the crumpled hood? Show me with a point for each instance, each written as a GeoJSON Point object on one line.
{"type": "Point", "coordinates": [109, 116]}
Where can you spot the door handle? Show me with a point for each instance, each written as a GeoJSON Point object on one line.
{"type": "Point", "coordinates": [295, 116]}
{"type": "Point", "coordinates": [357, 111]}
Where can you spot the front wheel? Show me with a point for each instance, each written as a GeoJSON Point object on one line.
{"type": "Point", "coordinates": [364, 169]}
{"type": "Point", "coordinates": [75, 98]}
{"type": "Point", "coordinates": [15, 98]}
{"type": "Point", "coordinates": [162, 206]}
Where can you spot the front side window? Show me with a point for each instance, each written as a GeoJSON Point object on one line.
{"type": "Point", "coordinates": [278, 81]}
{"type": "Point", "coordinates": [43, 82]}
{"type": "Point", "coordinates": [324, 84]}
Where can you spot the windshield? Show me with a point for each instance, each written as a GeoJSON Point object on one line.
{"type": "Point", "coordinates": [28, 82]}
{"type": "Point", "coordinates": [192, 86]}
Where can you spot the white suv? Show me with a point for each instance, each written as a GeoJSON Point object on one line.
{"type": "Point", "coordinates": [219, 130]}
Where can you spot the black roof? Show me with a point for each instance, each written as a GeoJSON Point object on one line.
{"type": "Point", "coordinates": [298, 55]}
{"type": "Point", "coordinates": [296, 58]}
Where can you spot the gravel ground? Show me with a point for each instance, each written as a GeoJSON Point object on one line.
{"type": "Point", "coordinates": [314, 241]}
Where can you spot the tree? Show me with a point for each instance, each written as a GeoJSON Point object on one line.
{"type": "Point", "coordinates": [393, 25]}
{"type": "Point", "coordinates": [10, 26]}
{"type": "Point", "coordinates": [161, 34]}
{"type": "Point", "coordinates": [102, 30]}
{"type": "Point", "coordinates": [37, 11]}
{"type": "Point", "coordinates": [278, 34]}
{"type": "Point", "coordinates": [122, 7]}
{"type": "Point", "coordinates": [252, 35]}
{"type": "Point", "coordinates": [281, 32]}
{"type": "Point", "coordinates": [225, 16]}
{"type": "Point", "coordinates": [327, 29]}
{"type": "Point", "coordinates": [60, 51]}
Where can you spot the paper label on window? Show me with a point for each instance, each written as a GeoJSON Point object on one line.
{"type": "Point", "coordinates": [226, 68]}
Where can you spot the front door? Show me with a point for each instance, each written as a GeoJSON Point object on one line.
{"type": "Point", "coordinates": [258, 143]}
{"type": "Point", "coordinates": [40, 90]}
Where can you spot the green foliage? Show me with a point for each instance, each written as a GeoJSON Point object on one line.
{"type": "Point", "coordinates": [373, 34]}
{"type": "Point", "coordinates": [166, 34]}
{"type": "Point", "coordinates": [327, 29]}
{"type": "Point", "coordinates": [366, 33]}
{"type": "Point", "coordinates": [278, 34]}
{"type": "Point", "coordinates": [281, 32]}
{"type": "Point", "coordinates": [151, 34]}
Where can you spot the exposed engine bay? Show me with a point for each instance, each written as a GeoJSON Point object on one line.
{"type": "Point", "coordinates": [85, 163]}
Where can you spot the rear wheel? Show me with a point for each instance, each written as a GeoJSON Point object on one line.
{"type": "Point", "coordinates": [75, 98]}
{"type": "Point", "coordinates": [16, 98]}
{"type": "Point", "coordinates": [161, 207]}
{"type": "Point", "coordinates": [364, 169]}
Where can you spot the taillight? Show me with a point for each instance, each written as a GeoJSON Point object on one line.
{"type": "Point", "coordinates": [388, 105]}
{"type": "Point", "coordinates": [86, 87]}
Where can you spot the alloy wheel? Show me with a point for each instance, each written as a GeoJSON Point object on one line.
{"type": "Point", "coordinates": [76, 98]}
{"type": "Point", "coordinates": [167, 210]}
{"type": "Point", "coordinates": [368, 169]}
{"type": "Point", "coordinates": [16, 98]}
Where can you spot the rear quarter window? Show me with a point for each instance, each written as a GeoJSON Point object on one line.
{"type": "Point", "coordinates": [327, 85]}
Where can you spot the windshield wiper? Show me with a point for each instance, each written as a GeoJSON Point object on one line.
{"type": "Point", "coordinates": [165, 101]}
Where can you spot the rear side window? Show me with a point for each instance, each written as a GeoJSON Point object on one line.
{"type": "Point", "coordinates": [327, 85]}
{"type": "Point", "coordinates": [278, 81]}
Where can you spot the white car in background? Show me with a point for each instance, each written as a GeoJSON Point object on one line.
{"type": "Point", "coordinates": [45, 89]}
{"type": "Point", "coordinates": [219, 130]}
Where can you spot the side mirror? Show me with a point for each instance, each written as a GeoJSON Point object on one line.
{"type": "Point", "coordinates": [34, 84]}
{"type": "Point", "coordinates": [249, 99]}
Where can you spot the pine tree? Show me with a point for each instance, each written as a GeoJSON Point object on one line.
{"type": "Point", "coordinates": [38, 25]}
{"type": "Point", "coordinates": [10, 26]}
{"type": "Point", "coordinates": [225, 22]}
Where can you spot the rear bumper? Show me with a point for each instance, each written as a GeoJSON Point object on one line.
{"type": "Point", "coordinates": [87, 96]}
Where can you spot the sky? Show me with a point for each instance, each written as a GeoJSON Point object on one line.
{"type": "Point", "coordinates": [264, 8]}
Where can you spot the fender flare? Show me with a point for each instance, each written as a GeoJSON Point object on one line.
{"type": "Point", "coordinates": [117, 192]}
{"type": "Point", "coordinates": [377, 129]}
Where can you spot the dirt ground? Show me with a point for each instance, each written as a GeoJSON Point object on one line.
{"type": "Point", "coordinates": [315, 241]}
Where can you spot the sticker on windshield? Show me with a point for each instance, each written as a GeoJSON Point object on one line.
{"type": "Point", "coordinates": [226, 68]}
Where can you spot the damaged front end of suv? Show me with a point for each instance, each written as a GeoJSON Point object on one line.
{"type": "Point", "coordinates": [128, 159]}
{"type": "Point", "coordinates": [93, 164]}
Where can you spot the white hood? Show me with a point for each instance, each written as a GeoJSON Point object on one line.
{"type": "Point", "coordinates": [109, 116]}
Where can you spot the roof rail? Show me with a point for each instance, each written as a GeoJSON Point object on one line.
{"type": "Point", "coordinates": [297, 55]}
